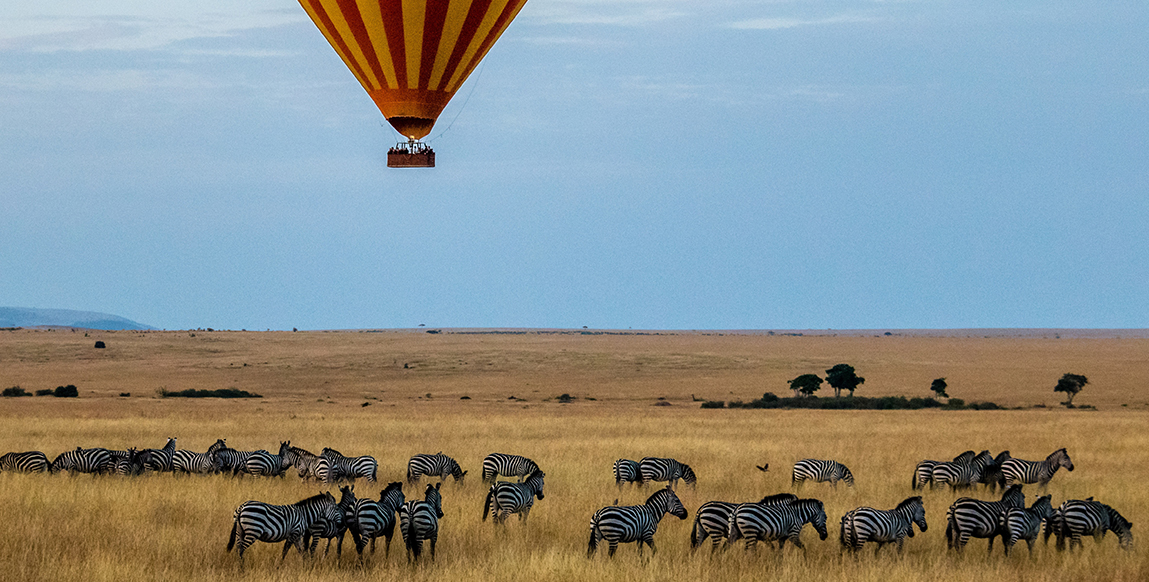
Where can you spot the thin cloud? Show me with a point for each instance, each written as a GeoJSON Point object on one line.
{"type": "Point", "coordinates": [784, 23]}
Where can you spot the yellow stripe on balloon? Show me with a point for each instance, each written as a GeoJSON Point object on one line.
{"type": "Point", "coordinates": [344, 31]}
{"type": "Point", "coordinates": [334, 41]}
{"type": "Point", "coordinates": [456, 17]}
{"type": "Point", "coordinates": [489, 19]}
{"type": "Point", "coordinates": [373, 21]}
{"type": "Point", "coordinates": [414, 14]}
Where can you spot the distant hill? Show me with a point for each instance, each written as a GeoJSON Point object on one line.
{"type": "Point", "coordinates": [27, 317]}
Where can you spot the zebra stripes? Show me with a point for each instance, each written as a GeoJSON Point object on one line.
{"type": "Point", "coordinates": [633, 523]}
{"type": "Point", "coordinates": [1077, 518]}
{"type": "Point", "coordinates": [159, 460]}
{"type": "Point", "coordinates": [81, 460]}
{"type": "Point", "coordinates": [258, 521]}
{"type": "Point", "coordinates": [350, 467]}
{"type": "Point", "coordinates": [437, 465]}
{"type": "Point", "coordinates": [419, 521]}
{"type": "Point", "coordinates": [657, 469]}
{"type": "Point", "coordinates": [712, 520]}
{"type": "Point", "coordinates": [962, 474]}
{"type": "Point", "coordinates": [1022, 471]}
{"type": "Point", "coordinates": [1024, 524]}
{"type": "Point", "coordinates": [372, 519]}
{"type": "Point", "coordinates": [505, 498]}
{"type": "Point", "coordinates": [127, 463]}
{"type": "Point", "coordinates": [754, 522]}
{"type": "Point", "coordinates": [496, 464]}
{"type": "Point", "coordinates": [185, 461]}
{"type": "Point", "coordinates": [26, 462]}
{"type": "Point", "coordinates": [309, 465]}
{"type": "Point", "coordinates": [866, 524]}
{"type": "Point", "coordinates": [821, 471]}
{"type": "Point", "coordinates": [924, 472]}
{"type": "Point", "coordinates": [626, 471]}
{"type": "Point", "coordinates": [262, 463]}
{"type": "Point", "coordinates": [333, 524]}
{"type": "Point", "coordinates": [969, 517]}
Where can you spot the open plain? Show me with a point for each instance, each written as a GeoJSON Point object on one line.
{"type": "Point", "coordinates": [468, 393]}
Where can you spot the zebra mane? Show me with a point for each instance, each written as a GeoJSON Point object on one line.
{"type": "Point", "coordinates": [391, 487]}
{"type": "Point", "coordinates": [1117, 522]}
{"type": "Point", "coordinates": [964, 457]}
{"type": "Point", "coordinates": [779, 498]}
{"type": "Point", "coordinates": [909, 502]}
{"type": "Point", "coordinates": [325, 496]}
{"type": "Point", "coordinates": [1014, 494]}
{"type": "Point", "coordinates": [659, 495]}
{"type": "Point", "coordinates": [537, 472]}
{"type": "Point", "coordinates": [688, 474]}
{"type": "Point", "coordinates": [1057, 453]}
{"type": "Point", "coordinates": [1001, 457]}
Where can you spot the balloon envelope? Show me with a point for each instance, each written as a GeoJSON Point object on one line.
{"type": "Point", "coordinates": [412, 55]}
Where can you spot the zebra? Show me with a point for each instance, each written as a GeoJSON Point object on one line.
{"type": "Point", "coordinates": [1024, 524]}
{"type": "Point", "coordinates": [866, 524]}
{"type": "Point", "coordinates": [230, 460]}
{"type": "Point", "coordinates": [1077, 518]}
{"type": "Point", "coordinates": [505, 498]}
{"type": "Point", "coordinates": [1022, 471]}
{"type": "Point", "coordinates": [310, 465]}
{"type": "Point", "coordinates": [263, 463]}
{"type": "Point", "coordinates": [924, 472]}
{"type": "Point", "coordinates": [496, 464]}
{"type": "Point", "coordinates": [26, 462]}
{"type": "Point", "coordinates": [713, 519]}
{"type": "Point", "coordinates": [334, 523]}
{"type": "Point", "coordinates": [962, 474]}
{"type": "Point", "coordinates": [821, 471]}
{"type": "Point", "coordinates": [258, 521]}
{"type": "Point", "coordinates": [992, 476]}
{"type": "Point", "coordinates": [129, 463]}
{"type": "Point", "coordinates": [656, 469]}
{"type": "Point", "coordinates": [373, 518]}
{"type": "Point", "coordinates": [633, 523]}
{"type": "Point", "coordinates": [626, 471]}
{"type": "Point", "coordinates": [350, 468]}
{"type": "Point", "coordinates": [969, 517]}
{"type": "Point", "coordinates": [186, 462]}
{"type": "Point", "coordinates": [159, 460]}
{"type": "Point", "coordinates": [779, 523]}
{"type": "Point", "coordinates": [419, 520]}
{"type": "Point", "coordinates": [82, 460]}
{"type": "Point", "coordinates": [437, 465]}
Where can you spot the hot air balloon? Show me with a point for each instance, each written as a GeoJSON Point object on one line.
{"type": "Point", "coordinates": [412, 55]}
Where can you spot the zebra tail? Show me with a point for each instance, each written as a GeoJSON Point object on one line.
{"type": "Point", "coordinates": [592, 545]}
{"type": "Point", "coordinates": [914, 481]}
{"type": "Point", "coordinates": [487, 503]}
{"type": "Point", "coordinates": [231, 538]}
{"type": "Point", "coordinates": [694, 532]}
{"type": "Point", "coordinates": [410, 536]}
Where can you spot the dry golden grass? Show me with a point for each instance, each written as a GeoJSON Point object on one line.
{"type": "Point", "coordinates": [163, 526]}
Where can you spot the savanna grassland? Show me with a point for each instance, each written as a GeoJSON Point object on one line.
{"type": "Point", "coordinates": [315, 386]}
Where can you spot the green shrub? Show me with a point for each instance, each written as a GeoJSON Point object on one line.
{"type": "Point", "coordinates": [14, 391]}
{"type": "Point", "coordinates": [69, 391]}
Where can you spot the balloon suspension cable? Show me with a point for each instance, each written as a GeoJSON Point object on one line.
{"type": "Point", "coordinates": [464, 105]}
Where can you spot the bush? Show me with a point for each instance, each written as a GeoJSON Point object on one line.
{"type": "Point", "coordinates": [69, 391]}
{"type": "Point", "coordinates": [222, 393]}
{"type": "Point", "coordinates": [713, 404]}
{"type": "Point", "coordinates": [45, 392]}
{"type": "Point", "coordinates": [14, 391]}
{"type": "Point", "coordinates": [770, 401]}
{"type": "Point", "coordinates": [100, 345]}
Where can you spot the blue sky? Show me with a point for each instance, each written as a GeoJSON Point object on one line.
{"type": "Point", "coordinates": [658, 164]}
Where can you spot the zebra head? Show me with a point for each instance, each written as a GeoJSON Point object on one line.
{"type": "Point", "coordinates": [457, 472]}
{"type": "Point", "coordinates": [1001, 457]}
{"type": "Point", "coordinates": [846, 476]}
{"type": "Point", "coordinates": [1120, 526]}
{"type": "Point", "coordinates": [914, 509]}
{"type": "Point", "coordinates": [1013, 497]}
{"type": "Point", "coordinates": [434, 499]}
{"type": "Point", "coordinates": [392, 497]}
{"type": "Point", "coordinates": [668, 502]}
{"type": "Point", "coordinates": [347, 499]}
{"type": "Point", "coordinates": [1060, 458]}
{"type": "Point", "coordinates": [535, 482]}
{"type": "Point", "coordinates": [219, 444]}
{"type": "Point", "coordinates": [1042, 508]}
{"type": "Point", "coordinates": [688, 475]}
{"type": "Point", "coordinates": [62, 462]}
{"type": "Point", "coordinates": [813, 512]}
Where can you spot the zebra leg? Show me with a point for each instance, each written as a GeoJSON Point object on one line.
{"type": "Point", "coordinates": [653, 550]}
{"type": "Point", "coordinates": [961, 541]}
{"type": "Point", "coordinates": [612, 547]}
{"type": "Point", "coordinates": [434, 540]}
{"type": "Point", "coordinates": [1030, 544]}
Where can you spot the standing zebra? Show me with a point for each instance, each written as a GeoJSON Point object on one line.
{"type": "Point", "coordinates": [26, 462]}
{"type": "Point", "coordinates": [924, 472]}
{"type": "Point", "coordinates": [258, 521]}
{"type": "Point", "coordinates": [626, 471]}
{"type": "Point", "coordinates": [505, 498]}
{"type": "Point", "coordinates": [712, 520]}
{"type": "Point", "coordinates": [309, 465]}
{"type": "Point", "coordinates": [1077, 518]}
{"type": "Point", "coordinates": [496, 464]}
{"type": "Point", "coordinates": [779, 523]}
{"type": "Point", "coordinates": [186, 462]}
{"type": "Point", "coordinates": [333, 523]}
{"type": "Point", "coordinates": [83, 461]}
{"type": "Point", "coordinates": [821, 471]}
{"type": "Point", "coordinates": [633, 523]}
{"type": "Point", "coordinates": [1022, 471]}
{"type": "Point", "coordinates": [437, 465]}
{"type": "Point", "coordinates": [656, 469]}
{"type": "Point", "coordinates": [1024, 524]}
{"type": "Point", "coordinates": [373, 518]}
{"type": "Point", "coordinates": [350, 468]}
{"type": "Point", "coordinates": [159, 460]}
{"type": "Point", "coordinates": [866, 524]}
{"type": "Point", "coordinates": [992, 476]}
{"type": "Point", "coordinates": [969, 517]}
{"type": "Point", "coordinates": [962, 475]}
{"type": "Point", "coordinates": [129, 464]}
{"type": "Point", "coordinates": [419, 520]}
{"type": "Point", "coordinates": [227, 460]}
{"type": "Point", "coordinates": [263, 463]}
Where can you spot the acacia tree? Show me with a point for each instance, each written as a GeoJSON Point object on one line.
{"type": "Point", "coordinates": [939, 387]}
{"type": "Point", "coordinates": [842, 377]}
{"type": "Point", "coordinates": [1070, 384]}
{"type": "Point", "coordinates": [807, 384]}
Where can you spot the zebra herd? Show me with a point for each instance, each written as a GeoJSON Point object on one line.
{"type": "Point", "coordinates": [775, 518]}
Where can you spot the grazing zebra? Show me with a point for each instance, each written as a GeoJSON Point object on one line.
{"type": "Point", "coordinates": [924, 472]}
{"type": "Point", "coordinates": [231, 461]}
{"type": "Point", "coordinates": [969, 517]}
{"type": "Point", "coordinates": [1024, 524]}
{"type": "Point", "coordinates": [437, 465]}
{"type": "Point", "coordinates": [866, 524]}
{"type": "Point", "coordinates": [992, 476]}
{"type": "Point", "coordinates": [310, 465]}
{"type": "Point", "coordinates": [779, 523]}
{"type": "Point", "coordinates": [712, 519]}
{"type": "Point", "coordinates": [626, 471]}
{"type": "Point", "coordinates": [1077, 518]}
{"type": "Point", "coordinates": [962, 474]}
{"type": "Point", "coordinates": [258, 521]}
{"type": "Point", "coordinates": [656, 469]}
{"type": "Point", "coordinates": [83, 461]}
{"type": "Point", "coordinates": [27, 462]}
{"type": "Point", "coordinates": [350, 468]}
{"type": "Point", "coordinates": [159, 460]}
{"type": "Point", "coordinates": [821, 471]}
{"type": "Point", "coordinates": [373, 518]}
{"type": "Point", "coordinates": [496, 464]}
{"type": "Point", "coordinates": [129, 463]}
{"type": "Point", "coordinates": [633, 523]}
{"type": "Point", "coordinates": [1022, 471]}
{"type": "Point", "coordinates": [505, 498]}
{"type": "Point", "coordinates": [186, 462]}
{"type": "Point", "coordinates": [262, 463]}
{"type": "Point", "coordinates": [419, 520]}
{"type": "Point", "coordinates": [334, 523]}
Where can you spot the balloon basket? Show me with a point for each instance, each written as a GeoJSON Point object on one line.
{"type": "Point", "coordinates": [411, 154]}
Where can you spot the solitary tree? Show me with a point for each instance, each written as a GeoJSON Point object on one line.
{"type": "Point", "coordinates": [842, 377]}
{"type": "Point", "coordinates": [1071, 384]}
{"type": "Point", "coordinates": [807, 384]}
{"type": "Point", "coordinates": [939, 388]}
